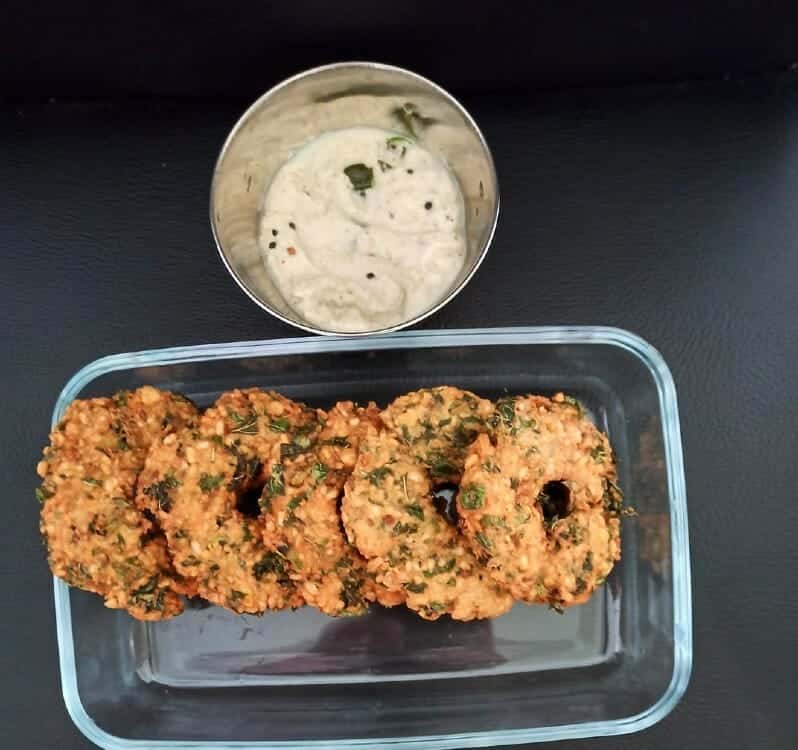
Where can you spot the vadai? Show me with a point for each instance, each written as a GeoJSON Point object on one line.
{"type": "Point", "coordinates": [96, 537]}
{"type": "Point", "coordinates": [438, 425]}
{"type": "Point", "coordinates": [304, 517]}
{"type": "Point", "coordinates": [199, 484]}
{"type": "Point", "coordinates": [540, 503]}
{"type": "Point", "coordinates": [265, 503]}
{"type": "Point", "coordinates": [389, 515]}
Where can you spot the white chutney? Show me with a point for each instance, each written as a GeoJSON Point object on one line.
{"type": "Point", "coordinates": [363, 229]}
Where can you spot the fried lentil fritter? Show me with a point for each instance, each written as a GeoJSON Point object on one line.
{"type": "Point", "coordinates": [390, 517]}
{"type": "Point", "coordinates": [438, 425]}
{"type": "Point", "coordinates": [540, 502]}
{"type": "Point", "coordinates": [197, 484]}
{"type": "Point", "coordinates": [144, 500]}
{"type": "Point", "coordinates": [96, 537]}
{"type": "Point", "coordinates": [302, 518]}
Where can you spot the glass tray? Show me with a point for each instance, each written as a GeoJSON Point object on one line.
{"type": "Point", "coordinates": [389, 679]}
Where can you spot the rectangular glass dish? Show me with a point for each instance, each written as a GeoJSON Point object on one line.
{"type": "Point", "coordinates": [211, 679]}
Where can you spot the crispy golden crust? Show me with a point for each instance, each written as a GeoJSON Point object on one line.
{"type": "Point", "coordinates": [438, 425]}
{"type": "Point", "coordinates": [542, 549]}
{"type": "Point", "coordinates": [96, 537]}
{"type": "Point", "coordinates": [263, 426]}
{"type": "Point", "coordinates": [195, 484]}
{"type": "Point", "coordinates": [148, 415]}
{"type": "Point", "coordinates": [303, 522]}
{"type": "Point", "coordinates": [142, 502]}
{"type": "Point", "coordinates": [390, 516]}
{"type": "Point", "coordinates": [90, 438]}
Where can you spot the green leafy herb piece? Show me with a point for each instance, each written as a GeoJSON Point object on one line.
{"type": "Point", "coordinates": [504, 413]}
{"type": "Point", "coordinates": [541, 592]}
{"type": "Point", "coordinates": [361, 176]}
{"type": "Point", "coordinates": [416, 588]}
{"type": "Point", "coordinates": [598, 453]}
{"type": "Point", "coordinates": [404, 528]}
{"type": "Point", "coordinates": [384, 166]}
{"type": "Point", "coordinates": [210, 482]}
{"type": "Point", "coordinates": [149, 596]}
{"type": "Point", "coordinates": [575, 533]}
{"type": "Point", "coordinates": [352, 596]}
{"type": "Point", "coordinates": [244, 425]}
{"type": "Point", "coordinates": [580, 586]}
{"type": "Point", "coordinates": [571, 401]}
{"type": "Point", "coordinates": [613, 497]}
{"type": "Point", "coordinates": [291, 519]}
{"type": "Point", "coordinates": [121, 437]}
{"type": "Point", "coordinates": [587, 565]}
{"type": "Point", "coordinates": [319, 472]}
{"type": "Point", "coordinates": [295, 502]}
{"type": "Point", "coordinates": [439, 569]}
{"type": "Point", "coordinates": [291, 450]}
{"type": "Point", "coordinates": [91, 482]}
{"type": "Point", "coordinates": [300, 443]}
{"type": "Point", "coordinates": [407, 438]}
{"type": "Point", "coordinates": [339, 442]}
{"type": "Point", "coordinates": [440, 466]}
{"type": "Point", "coordinates": [272, 562]}
{"type": "Point", "coordinates": [407, 113]}
{"type": "Point", "coordinates": [497, 522]}
{"type": "Point", "coordinates": [120, 399]}
{"type": "Point", "coordinates": [375, 476]}
{"type": "Point", "coordinates": [462, 436]}
{"type": "Point", "coordinates": [416, 511]}
{"type": "Point", "coordinates": [398, 142]}
{"type": "Point", "coordinates": [276, 483]}
{"type": "Point", "coordinates": [77, 573]}
{"type": "Point", "coordinates": [191, 561]}
{"type": "Point", "coordinates": [429, 431]}
{"type": "Point", "coordinates": [236, 596]}
{"type": "Point", "coordinates": [397, 556]}
{"type": "Point", "coordinates": [526, 424]}
{"type": "Point", "coordinates": [514, 482]}
{"type": "Point", "coordinates": [280, 425]}
{"type": "Point", "coordinates": [159, 491]}
{"type": "Point", "coordinates": [472, 496]}
{"type": "Point", "coordinates": [484, 541]}
{"type": "Point", "coordinates": [43, 494]}
{"type": "Point", "coordinates": [436, 607]}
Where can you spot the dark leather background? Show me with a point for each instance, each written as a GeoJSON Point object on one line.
{"type": "Point", "coordinates": [91, 48]}
{"type": "Point", "coordinates": [670, 211]}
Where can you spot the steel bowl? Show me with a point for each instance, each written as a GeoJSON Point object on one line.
{"type": "Point", "coordinates": [338, 96]}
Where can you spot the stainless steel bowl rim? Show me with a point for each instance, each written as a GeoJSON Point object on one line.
{"type": "Point", "coordinates": [306, 74]}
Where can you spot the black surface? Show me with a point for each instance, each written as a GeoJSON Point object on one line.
{"type": "Point", "coordinates": [118, 48]}
{"type": "Point", "coordinates": [668, 211]}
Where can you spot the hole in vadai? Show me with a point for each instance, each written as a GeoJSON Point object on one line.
{"type": "Point", "coordinates": [247, 499]}
{"type": "Point", "coordinates": [555, 501]}
{"type": "Point", "coordinates": [444, 497]}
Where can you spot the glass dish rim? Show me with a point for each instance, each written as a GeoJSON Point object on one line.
{"type": "Point", "coordinates": [680, 553]}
